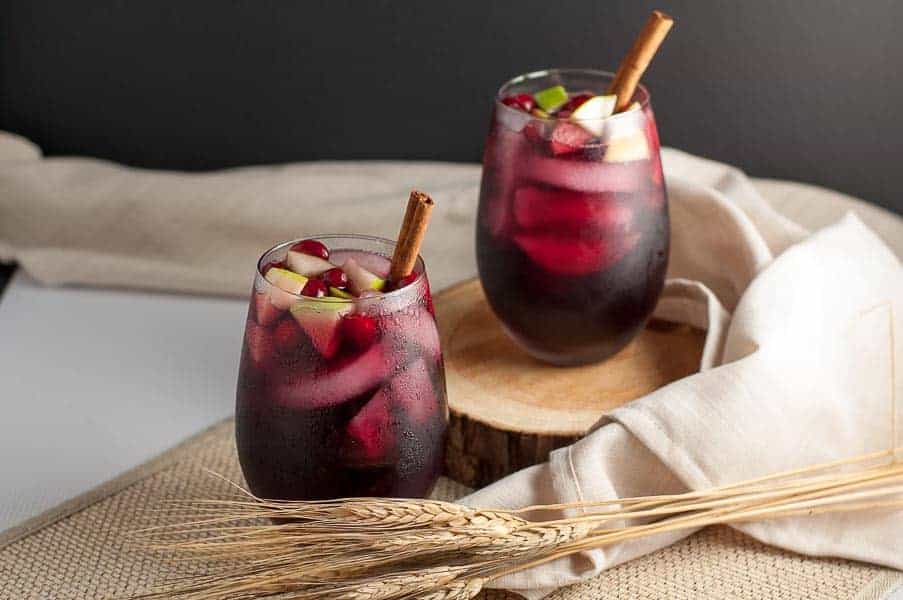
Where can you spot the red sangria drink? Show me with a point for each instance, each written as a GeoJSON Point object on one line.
{"type": "Point", "coordinates": [341, 388]}
{"type": "Point", "coordinates": [572, 233]}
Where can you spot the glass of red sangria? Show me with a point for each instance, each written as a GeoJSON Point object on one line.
{"type": "Point", "coordinates": [341, 388]}
{"type": "Point", "coordinates": [572, 232]}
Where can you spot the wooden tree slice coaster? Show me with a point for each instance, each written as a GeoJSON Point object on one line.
{"type": "Point", "coordinates": [508, 410]}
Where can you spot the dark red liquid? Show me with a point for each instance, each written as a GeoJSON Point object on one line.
{"type": "Point", "coordinates": [572, 241]}
{"type": "Point", "coordinates": [368, 420]}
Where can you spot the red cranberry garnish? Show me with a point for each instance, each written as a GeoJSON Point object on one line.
{"type": "Point", "coordinates": [575, 101]}
{"type": "Point", "coordinates": [524, 102]}
{"type": "Point", "coordinates": [314, 288]}
{"type": "Point", "coordinates": [312, 247]}
{"type": "Point", "coordinates": [359, 331]}
{"type": "Point", "coordinates": [335, 278]}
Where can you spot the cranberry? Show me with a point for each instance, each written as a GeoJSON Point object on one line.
{"type": "Point", "coordinates": [359, 331]}
{"type": "Point", "coordinates": [287, 335]}
{"type": "Point", "coordinates": [312, 247]}
{"type": "Point", "coordinates": [564, 113]}
{"type": "Point", "coordinates": [575, 101]}
{"type": "Point", "coordinates": [335, 278]}
{"type": "Point", "coordinates": [314, 288]}
{"type": "Point", "coordinates": [524, 102]}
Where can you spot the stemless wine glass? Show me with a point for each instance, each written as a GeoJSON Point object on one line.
{"type": "Point", "coordinates": [572, 234]}
{"type": "Point", "coordinates": [341, 397]}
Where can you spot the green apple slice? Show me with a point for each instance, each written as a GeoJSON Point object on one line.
{"type": "Point", "coordinates": [551, 99]}
{"type": "Point", "coordinates": [286, 285]}
{"type": "Point", "coordinates": [360, 279]}
{"type": "Point", "coordinates": [320, 318]}
{"type": "Point", "coordinates": [591, 114]}
{"type": "Point", "coordinates": [306, 264]}
{"type": "Point", "coordinates": [287, 280]}
{"type": "Point", "coordinates": [340, 293]}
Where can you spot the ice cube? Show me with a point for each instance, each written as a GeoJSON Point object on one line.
{"type": "Point", "coordinates": [264, 312]}
{"type": "Point", "coordinates": [371, 435]}
{"type": "Point", "coordinates": [568, 137]}
{"type": "Point", "coordinates": [500, 172]}
{"type": "Point", "coordinates": [536, 207]}
{"type": "Point", "coordinates": [413, 328]}
{"type": "Point", "coordinates": [339, 384]}
{"type": "Point", "coordinates": [588, 176]}
{"type": "Point", "coordinates": [259, 344]}
{"type": "Point", "coordinates": [566, 255]}
{"type": "Point", "coordinates": [412, 390]}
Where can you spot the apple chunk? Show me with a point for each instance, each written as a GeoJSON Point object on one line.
{"type": "Point", "coordinates": [371, 437]}
{"type": "Point", "coordinates": [285, 287]}
{"type": "Point", "coordinates": [591, 113]}
{"type": "Point", "coordinates": [306, 264]}
{"type": "Point", "coordinates": [551, 99]}
{"type": "Point", "coordinates": [361, 280]}
{"type": "Point", "coordinates": [320, 318]}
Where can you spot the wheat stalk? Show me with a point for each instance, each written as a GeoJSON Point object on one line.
{"type": "Point", "coordinates": [387, 549]}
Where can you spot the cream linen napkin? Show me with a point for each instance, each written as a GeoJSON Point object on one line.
{"type": "Point", "coordinates": [804, 332]}
{"type": "Point", "coordinates": [797, 366]}
{"type": "Point", "coordinates": [70, 220]}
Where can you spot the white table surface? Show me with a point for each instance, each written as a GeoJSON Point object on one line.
{"type": "Point", "coordinates": [95, 382]}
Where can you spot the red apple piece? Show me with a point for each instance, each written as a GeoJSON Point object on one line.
{"type": "Point", "coordinates": [536, 207]}
{"type": "Point", "coordinates": [371, 437]}
{"type": "Point", "coordinates": [566, 255]}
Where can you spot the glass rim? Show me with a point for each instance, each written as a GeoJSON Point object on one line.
{"type": "Point", "coordinates": [421, 276]}
{"type": "Point", "coordinates": [644, 100]}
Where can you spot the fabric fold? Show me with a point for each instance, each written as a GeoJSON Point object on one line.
{"type": "Point", "coordinates": [803, 341]}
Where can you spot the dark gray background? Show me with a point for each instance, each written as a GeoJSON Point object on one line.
{"type": "Point", "coordinates": [804, 89]}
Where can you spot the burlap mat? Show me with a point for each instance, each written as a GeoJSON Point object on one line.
{"type": "Point", "coordinates": [78, 550]}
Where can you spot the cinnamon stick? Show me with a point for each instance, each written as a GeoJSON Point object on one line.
{"type": "Point", "coordinates": [413, 228]}
{"type": "Point", "coordinates": [637, 60]}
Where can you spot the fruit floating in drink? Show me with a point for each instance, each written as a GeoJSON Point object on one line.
{"type": "Point", "coordinates": [341, 389]}
{"type": "Point", "coordinates": [572, 234]}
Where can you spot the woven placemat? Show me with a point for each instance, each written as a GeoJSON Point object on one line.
{"type": "Point", "coordinates": [78, 550]}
